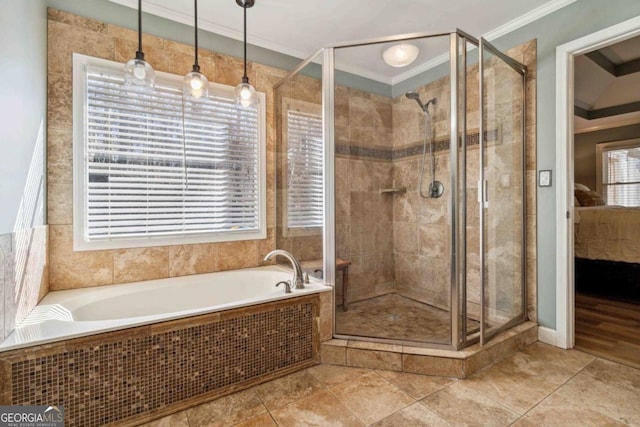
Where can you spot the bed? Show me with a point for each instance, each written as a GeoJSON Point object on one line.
{"type": "Point", "coordinates": [607, 251]}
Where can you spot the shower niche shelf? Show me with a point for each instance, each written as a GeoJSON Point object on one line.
{"type": "Point", "coordinates": [394, 190]}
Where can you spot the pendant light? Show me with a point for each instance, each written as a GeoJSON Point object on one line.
{"type": "Point", "coordinates": [245, 93]}
{"type": "Point", "coordinates": [196, 84]}
{"type": "Point", "coordinates": [138, 74]}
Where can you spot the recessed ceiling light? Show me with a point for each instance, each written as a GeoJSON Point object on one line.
{"type": "Point", "coordinates": [400, 55]}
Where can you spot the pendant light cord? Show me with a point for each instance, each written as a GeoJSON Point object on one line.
{"type": "Point", "coordinates": [245, 39]}
{"type": "Point", "coordinates": [140, 25]}
{"type": "Point", "coordinates": [195, 6]}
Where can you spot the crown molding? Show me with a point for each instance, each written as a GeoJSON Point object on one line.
{"type": "Point", "coordinates": [209, 26]}
{"type": "Point", "coordinates": [496, 33]}
{"type": "Point", "coordinates": [204, 24]}
{"type": "Point", "coordinates": [527, 18]}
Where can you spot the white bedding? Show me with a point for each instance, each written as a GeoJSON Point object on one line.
{"type": "Point", "coordinates": [609, 233]}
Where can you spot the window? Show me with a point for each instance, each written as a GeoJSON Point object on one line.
{"type": "Point", "coordinates": [620, 172]}
{"type": "Point", "coordinates": [150, 171]}
{"type": "Point", "coordinates": [304, 168]}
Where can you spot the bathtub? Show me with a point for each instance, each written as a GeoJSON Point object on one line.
{"type": "Point", "coordinates": [67, 314]}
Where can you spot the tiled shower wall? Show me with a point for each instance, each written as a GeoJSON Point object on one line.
{"type": "Point", "coordinates": [421, 226]}
{"type": "Point", "coordinates": [68, 33]}
{"type": "Point", "coordinates": [364, 215]}
{"type": "Point", "coordinates": [400, 243]}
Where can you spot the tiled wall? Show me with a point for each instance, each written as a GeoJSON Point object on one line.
{"type": "Point", "coordinates": [421, 225]}
{"type": "Point", "coordinates": [364, 231]}
{"type": "Point", "coordinates": [406, 238]}
{"type": "Point", "coordinates": [68, 33]}
{"type": "Point", "coordinates": [23, 275]}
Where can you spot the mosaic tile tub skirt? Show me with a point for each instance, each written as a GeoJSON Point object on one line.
{"type": "Point", "coordinates": [139, 373]}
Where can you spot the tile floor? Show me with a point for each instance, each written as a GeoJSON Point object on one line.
{"type": "Point", "coordinates": [539, 386]}
{"type": "Point", "coordinates": [396, 316]}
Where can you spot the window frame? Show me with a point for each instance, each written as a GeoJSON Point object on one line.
{"type": "Point", "coordinates": [304, 107]}
{"type": "Point", "coordinates": [79, 167]}
{"type": "Point", "coordinates": [602, 148]}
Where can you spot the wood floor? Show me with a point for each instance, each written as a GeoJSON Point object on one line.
{"type": "Point", "coordinates": [609, 329]}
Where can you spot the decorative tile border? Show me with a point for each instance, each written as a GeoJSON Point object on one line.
{"type": "Point", "coordinates": [355, 151]}
{"type": "Point", "coordinates": [414, 150]}
{"type": "Point", "coordinates": [124, 375]}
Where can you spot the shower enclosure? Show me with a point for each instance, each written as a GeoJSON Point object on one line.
{"type": "Point", "coordinates": [405, 187]}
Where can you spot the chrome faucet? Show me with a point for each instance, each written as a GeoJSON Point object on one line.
{"type": "Point", "coordinates": [297, 269]}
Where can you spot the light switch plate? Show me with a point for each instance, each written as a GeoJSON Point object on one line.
{"type": "Point", "coordinates": [544, 178]}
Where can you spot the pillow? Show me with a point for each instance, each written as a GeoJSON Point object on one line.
{"type": "Point", "coordinates": [578, 186]}
{"type": "Point", "coordinates": [588, 198]}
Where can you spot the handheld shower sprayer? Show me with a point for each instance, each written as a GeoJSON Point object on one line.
{"type": "Point", "coordinates": [412, 94]}
{"type": "Point", "coordinates": [436, 188]}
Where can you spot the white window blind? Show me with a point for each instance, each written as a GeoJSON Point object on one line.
{"type": "Point", "coordinates": [155, 168]}
{"type": "Point", "coordinates": [304, 170]}
{"type": "Point", "coordinates": [621, 175]}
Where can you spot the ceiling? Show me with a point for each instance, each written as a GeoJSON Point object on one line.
{"type": "Point", "coordinates": [300, 28]}
{"type": "Point", "coordinates": [596, 89]}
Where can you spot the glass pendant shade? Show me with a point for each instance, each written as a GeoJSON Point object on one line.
{"type": "Point", "coordinates": [246, 96]}
{"type": "Point", "coordinates": [138, 74]}
{"type": "Point", "coordinates": [195, 86]}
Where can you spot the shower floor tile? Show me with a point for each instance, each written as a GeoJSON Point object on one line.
{"type": "Point", "coordinates": [394, 316]}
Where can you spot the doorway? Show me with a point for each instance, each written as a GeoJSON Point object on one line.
{"type": "Point", "coordinates": [566, 212]}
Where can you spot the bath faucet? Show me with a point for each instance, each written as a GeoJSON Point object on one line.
{"type": "Point", "coordinates": [287, 285]}
{"type": "Point", "coordinates": [297, 269]}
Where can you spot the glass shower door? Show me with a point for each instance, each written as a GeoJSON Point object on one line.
{"type": "Point", "coordinates": [501, 188]}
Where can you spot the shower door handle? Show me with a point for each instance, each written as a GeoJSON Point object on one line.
{"type": "Point", "coordinates": [483, 193]}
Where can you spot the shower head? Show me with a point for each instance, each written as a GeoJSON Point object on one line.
{"type": "Point", "coordinates": [412, 94]}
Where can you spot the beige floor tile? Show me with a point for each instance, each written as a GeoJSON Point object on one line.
{"type": "Point", "coordinates": [415, 415]}
{"type": "Point", "coordinates": [371, 397]}
{"type": "Point", "coordinates": [464, 407]}
{"type": "Point", "coordinates": [416, 386]}
{"type": "Point", "coordinates": [262, 420]}
{"type": "Point", "coordinates": [330, 375]}
{"type": "Point", "coordinates": [565, 417]}
{"type": "Point", "coordinates": [587, 393]}
{"type": "Point", "coordinates": [226, 411]}
{"type": "Point", "coordinates": [285, 390]}
{"type": "Point", "coordinates": [317, 409]}
{"type": "Point", "coordinates": [178, 420]}
{"type": "Point", "coordinates": [519, 382]}
{"type": "Point", "coordinates": [572, 360]}
{"type": "Point", "coordinates": [615, 373]}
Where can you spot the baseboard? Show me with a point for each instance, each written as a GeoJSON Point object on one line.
{"type": "Point", "coordinates": [547, 336]}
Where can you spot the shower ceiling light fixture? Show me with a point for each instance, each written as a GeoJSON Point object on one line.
{"type": "Point", "coordinates": [400, 55]}
{"type": "Point", "coordinates": [138, 74]}
{"type": "Point", "coordinates": [196, 84]}
{"type": "Point", "coordinates": [245, 93]}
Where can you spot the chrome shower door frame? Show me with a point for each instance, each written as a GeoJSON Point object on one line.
{"type": "Point", "coordinates": [522, 70]}
{"type": "Point", "coordinates": [458, 163]}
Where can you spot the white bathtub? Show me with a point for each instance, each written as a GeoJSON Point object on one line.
{"type": "Point", "coordinates": [79, 312]}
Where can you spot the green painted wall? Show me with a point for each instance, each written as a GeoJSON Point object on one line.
{"type": "Point", "coordinates": [23, 112]}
